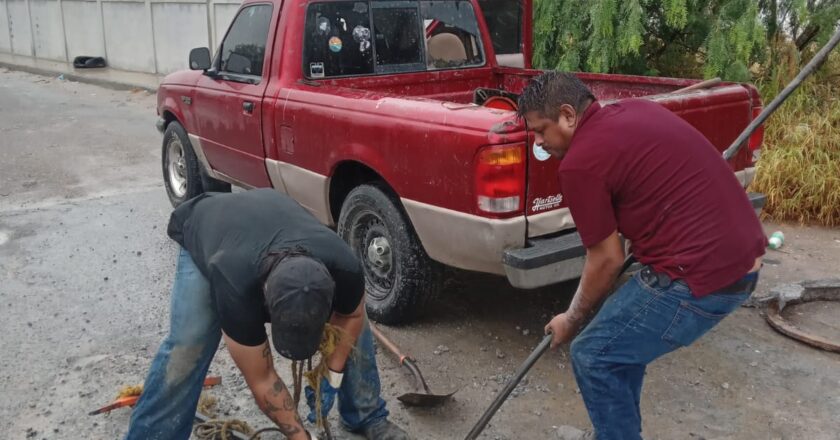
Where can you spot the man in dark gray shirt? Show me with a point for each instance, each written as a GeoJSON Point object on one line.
{"type": "Point", "coordinates": [247, 259]}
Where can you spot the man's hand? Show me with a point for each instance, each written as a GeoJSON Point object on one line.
{"type": "Point", "coordinates": [603, 262]}
{"type": "Point", "coordinates": [563, 329]}
{"type": "Point", "coordinates": [328, 394]}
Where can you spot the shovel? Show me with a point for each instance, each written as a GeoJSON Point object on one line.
{"type": "Point", "coordinates": [423, 396]}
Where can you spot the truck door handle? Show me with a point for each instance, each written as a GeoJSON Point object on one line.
{"type": "Point", "coordinates": [248, 106]}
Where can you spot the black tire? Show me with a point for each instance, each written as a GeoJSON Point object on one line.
{"type": "Point", "coordinates": [402, 281]}
{"type": "Point", "coordinates": [185, 167]}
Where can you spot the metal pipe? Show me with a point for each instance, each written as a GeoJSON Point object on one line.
{"type": "Point", "coordinates": [523, 370]}
{"type": "Point", "coordinates": [812, 66]}
{"type": "Point", "coordinates": [501, 397]}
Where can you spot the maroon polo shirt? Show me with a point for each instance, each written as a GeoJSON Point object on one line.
{"type": "Point", "coordinates": [636, 167]}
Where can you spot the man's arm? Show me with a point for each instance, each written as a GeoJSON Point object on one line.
{"type": "Point", "coordinates": [352, 324]}
{"type": "Point", "coordinates": [603, 261]}
{"type": "Point", "coordinates": [271, 394]}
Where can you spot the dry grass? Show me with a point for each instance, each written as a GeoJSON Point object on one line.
{"type": "Point", "coordinates": [799, 168]}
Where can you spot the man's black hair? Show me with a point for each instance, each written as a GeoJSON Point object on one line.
{"type": "Point", "coordinates": [547, 92]}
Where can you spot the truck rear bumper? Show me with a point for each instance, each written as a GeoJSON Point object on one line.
{"type": "Point", "coordinates": [547, 261]}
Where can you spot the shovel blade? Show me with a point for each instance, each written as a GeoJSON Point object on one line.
{"type": "Point", "coordinates": [424, 400]}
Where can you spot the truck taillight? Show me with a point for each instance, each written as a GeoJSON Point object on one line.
{"type": "Point", "coordinates": [500, 179]}
{"type": "Point", "coordinates": [757, 138]}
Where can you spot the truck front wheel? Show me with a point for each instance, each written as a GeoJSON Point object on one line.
{"type": "Point", "coordinates": [400, 279]}
{"type": "Point", "coordinates": [181, 170]}
{"type": "Point", "coordinates": [183, 175]}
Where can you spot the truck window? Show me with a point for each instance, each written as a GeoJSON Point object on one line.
{"type": "Point", "coordinates": [243, 49]}
{"type": "Point", "coordinates": [337, 40]}
{"type": "Point", "coordinates": [452, 36]}
{"type": "Point", "coordinates": [504, 20]}
{"type": "Point", "coordinates": [397, 37]}
{"type": "Point", "coordinates": [375, 37]}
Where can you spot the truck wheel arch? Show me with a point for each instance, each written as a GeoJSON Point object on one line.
{"type": "Point", "coordinates": [346, 176]}
{"type": "Point", "coordinates": [169, 117]}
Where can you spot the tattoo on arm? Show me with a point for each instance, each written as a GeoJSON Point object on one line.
{"type": "Point", "coordinates": [273, 411]}
{"type": "Point", "coordinates": [278, 388]}
{"type": "Point", "coordinates": [269, 361]}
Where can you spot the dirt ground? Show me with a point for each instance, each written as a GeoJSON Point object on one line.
{"type": "Point", "coordinates": [86, 267]}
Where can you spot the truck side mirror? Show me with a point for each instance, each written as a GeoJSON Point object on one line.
{"type": "Point", "coordinates": [200, 59]}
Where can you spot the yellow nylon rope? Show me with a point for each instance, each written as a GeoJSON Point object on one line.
{"type": "Point", "coordinates": [330, 340]}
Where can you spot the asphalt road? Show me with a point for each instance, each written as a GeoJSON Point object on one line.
{"type": "Point", "coordinates": [86, 267]}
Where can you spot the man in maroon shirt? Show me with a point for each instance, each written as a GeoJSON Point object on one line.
{"type": "Point", "coordinates": [634, 168]}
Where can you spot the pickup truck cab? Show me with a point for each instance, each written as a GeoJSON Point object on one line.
{"type": "Point", "coordinates": [392, 121]}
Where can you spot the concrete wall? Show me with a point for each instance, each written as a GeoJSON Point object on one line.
{"type": "Point", "coordinates": [147, 36]}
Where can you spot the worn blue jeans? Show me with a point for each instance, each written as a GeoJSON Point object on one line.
{"type": "Point", "coordinates": [170, 394]}
{"type": "Point", "coordinates": [639, 323]}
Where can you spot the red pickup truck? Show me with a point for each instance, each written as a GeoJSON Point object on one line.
{"type": "Point", "coordinates": [392, 121]}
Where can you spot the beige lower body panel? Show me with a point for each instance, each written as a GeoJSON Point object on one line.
{"type": "Point", "coordinates": [309, 189]}
{"type": "Point", "coordinates": [462, 240]}
{"type": "Point", "coordinates": [550, 222]}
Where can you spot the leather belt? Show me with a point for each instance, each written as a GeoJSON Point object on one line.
{"type": "Point", "coordinates": [662, 280]}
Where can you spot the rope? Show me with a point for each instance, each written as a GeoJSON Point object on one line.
{"type": "Point", "coordinates": [207, 405]}
{"type": "Point", "coordinates": [331, 339]}
{"type": "Point", "coordinates": [223, 429]}
{"type": "Point", "coordinates": [130, 391]}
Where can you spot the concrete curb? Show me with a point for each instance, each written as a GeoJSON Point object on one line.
{"type": "Point", "coordinates": [103, 82]}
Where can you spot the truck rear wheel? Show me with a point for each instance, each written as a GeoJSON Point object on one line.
{"type": "Point", "coordinates": [400, 279]}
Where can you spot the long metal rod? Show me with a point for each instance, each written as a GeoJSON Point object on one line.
{"type": "Point", "coordinates": [523, 370]}
{"type": "Point", "coordinates": [810, 68]}
{"type": "Point", "coordinates": [501, 397]}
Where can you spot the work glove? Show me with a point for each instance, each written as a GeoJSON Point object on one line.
{"type": "Point", "coordinates": [329, 389]}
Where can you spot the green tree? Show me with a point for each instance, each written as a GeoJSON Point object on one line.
{"type": "Point", "coordinates": [669, 37]}
{"type": "Point", "coordinates": [734, 39]}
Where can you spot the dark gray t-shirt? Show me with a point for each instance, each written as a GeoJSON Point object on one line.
{"type": "Point", "coordinates": [228, 235]}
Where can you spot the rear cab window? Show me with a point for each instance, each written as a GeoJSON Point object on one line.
{"type": "Point", "coordinates": [382, 37]}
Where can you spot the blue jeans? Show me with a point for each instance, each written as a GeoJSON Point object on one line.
{"type": "Point", "coordinates": [170, 396]}
{"type": "Point", "coordinates": [639, 323]}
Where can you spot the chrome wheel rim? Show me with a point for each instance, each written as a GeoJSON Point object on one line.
{"type": "Point", "coordinates": [176, 167]}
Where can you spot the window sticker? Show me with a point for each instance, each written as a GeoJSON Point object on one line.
{"type": "Point", "coordinates": [361, 35]}
{"type": "Point", "coordinates": [323, 26]}
{"type": "Point", "coordinates": [336, 44]}
{"type": "Point", "coordinates": [316, 70]}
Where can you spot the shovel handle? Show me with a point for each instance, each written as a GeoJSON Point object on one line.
{"type": "Point", "coordinates": [388, 344]}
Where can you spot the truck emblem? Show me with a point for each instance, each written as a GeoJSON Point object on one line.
{"type": "Point", "coordinates": [540, 154]}
{"type": "Point", "coordinates": [546, 203]}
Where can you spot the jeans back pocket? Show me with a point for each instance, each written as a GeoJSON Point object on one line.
{"type": "Point", "coordinates": [696, 316]}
